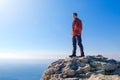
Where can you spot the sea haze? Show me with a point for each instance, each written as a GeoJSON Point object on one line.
{"type": "Point", "coordinates": [22, 69]}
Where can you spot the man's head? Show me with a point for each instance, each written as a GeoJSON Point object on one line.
{"type": "Point", "coordinates": [74, 15]}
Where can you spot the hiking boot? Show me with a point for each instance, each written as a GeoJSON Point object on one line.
{"type": "Point", "coordinates": [72, 56]}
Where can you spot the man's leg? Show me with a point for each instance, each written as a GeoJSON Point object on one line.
{"type": "Point", "coordinates": [74, 46]}
{"type": "Point", "coordinates": [80, 44]}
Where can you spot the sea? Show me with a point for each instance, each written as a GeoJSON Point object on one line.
{"type": "Point", "coordinates": [23, 69]}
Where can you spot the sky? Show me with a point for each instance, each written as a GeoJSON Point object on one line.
{"type": "Point", "coordinates": [41, 29]}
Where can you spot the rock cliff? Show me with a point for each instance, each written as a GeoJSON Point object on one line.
{"type": "Point", "coordinates": [83, 68]}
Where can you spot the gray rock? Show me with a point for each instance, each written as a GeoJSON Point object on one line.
{"type": "Point", "coordinates": [83, 68]}
{"type": "Point", "coordinates": [50, 71]}
{"type": "Point", "coordinates": [103, 65]}
{"type": "Point", "coordinates": [86, 68]}
{"type": "Point", "coordinates": [69, 72]}
{"type": "Point", "coordinates": [100, 72]}
{"type": "Point", "coordinates": [104, 77]}
{"type": "Point", "coordinates": [109, 67]}
{"type": "Point", "coordinates": [117, 71]}
{"type": "Point", "coordinates": [88, 74]}
{"type": "Point", "coordinates": [58, 68]}
{"type": "Point", "coordinates": [79, 70]}
{"type": "Point", "coordinates": [81, 64]}
{"type": "Point", "coordinates": [97, 65]}
{"type": "Point", "coordinates": [83, 59]}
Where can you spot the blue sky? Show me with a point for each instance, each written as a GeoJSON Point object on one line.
{"type": "Point", "coordinates": [42, 28]}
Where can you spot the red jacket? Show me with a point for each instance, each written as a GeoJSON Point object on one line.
{"type": "Point", "coordinates": [76, 27]}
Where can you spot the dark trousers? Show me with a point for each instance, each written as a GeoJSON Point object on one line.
{"type": "Point", "coordinates": [77, 39]}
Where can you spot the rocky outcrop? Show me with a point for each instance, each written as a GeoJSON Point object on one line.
{"type": "Point", "coordinates": [104, 77]}
{"type": "Point", "coordinates": [83, 68]}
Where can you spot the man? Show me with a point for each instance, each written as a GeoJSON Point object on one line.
{"type": "Point", "coordinates": [76, 35]}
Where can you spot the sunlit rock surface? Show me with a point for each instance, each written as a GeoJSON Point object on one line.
{"type": "Point", "coordinates": [83, 68]}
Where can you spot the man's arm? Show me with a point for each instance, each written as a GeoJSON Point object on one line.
{"type": "Point", "coordinates": [79, 26]}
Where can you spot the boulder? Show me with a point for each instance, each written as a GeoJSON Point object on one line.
{"type": "Point", "coordinates": [83, 68]}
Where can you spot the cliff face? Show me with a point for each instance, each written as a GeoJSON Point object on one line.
{"type": "Point", "coordinates": [83, 68]}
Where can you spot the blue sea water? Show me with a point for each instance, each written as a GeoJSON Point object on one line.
{"type": "Point", "coordinates": [22, 69]}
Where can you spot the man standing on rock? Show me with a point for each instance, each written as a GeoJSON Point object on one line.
{"type": "Point", "coordinates": [76, 35]}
